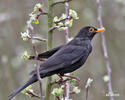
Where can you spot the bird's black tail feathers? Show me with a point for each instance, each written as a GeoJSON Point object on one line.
{"type": "Point", "coordinates": [29, 82]}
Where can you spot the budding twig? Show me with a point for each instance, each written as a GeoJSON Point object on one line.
{"type": "Point", "coordinates": [32, 94]}
{"type": "Point", "coordinates": [37, 66]}
{"type": "Point", "coordinates": [30, 29]}
{"type": "Point", "coordinates": [104, 46]}
{"type": "Point", "coordinates": [88, 84]}
{"type": "Point", "coordinates": [55, 27]}
{"type": "Point", "coordinates": [67, 39]}
{"type": "Point", "coordinates": [39, 39]}
{"type": "Point", "coordinates": [67, 18]}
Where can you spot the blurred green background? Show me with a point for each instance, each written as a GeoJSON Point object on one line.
{"type": "Point", "coordinates": [14, 71]}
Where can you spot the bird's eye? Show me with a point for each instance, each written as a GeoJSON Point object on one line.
{"type": "Point", "coordinates": [91, 30]}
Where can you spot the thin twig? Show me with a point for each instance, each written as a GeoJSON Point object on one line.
{"type": "Point", "coordinates": [44, 13]}
{"type": "Point", "coordinates": [67, 38]}
{"type": "Point", "coordinates": [52, 28]}
{"type": "Point", "coordinates": [87, 92]}
{"type": "Point", "coordinates": [41, 13]}
{"type": "Point", "coordinates": [88, 84]}
{"type": "Point", "coordinates": [37, 63]}
{"type": "Point", "coordinates": [104, 46]}
{"type": "Point", "coordinates": [56, 27]}
{"type": "Point", "coordinates": [58, 98]}
{"type": "Point", "coordinates": [39, 39]}
{"type": "Point", "coordinates": [60, 2]}
{"type": "Point", "coordinates": [69, 17]}
{"type": "Point", "coordinates": [32, 94]}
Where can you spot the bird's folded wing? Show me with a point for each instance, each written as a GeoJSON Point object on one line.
{"type": "Point", "coordinates": [48, 53]}
{"type": "Point", "coordinates": [65, 57]}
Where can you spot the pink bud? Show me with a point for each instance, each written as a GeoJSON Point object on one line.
{"type": "Point", "coordinates": [40, 9]}
{"type": "Point", "coordinates": [70, 15]}
{"type": "Point", "coordinates": [37, 17]}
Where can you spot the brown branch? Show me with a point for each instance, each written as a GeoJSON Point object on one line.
{"type": "Point", "coordinates": [44, 13]}
{"type": "Point", "coordinates": [32, 94]}
{"type": "Point", "coordinates": [41, 13]}
{"type": "Point", "coordinates": [87, 92]}
{"type": "Point", "coordinates": [60, 2]}
{"type": "Point", "coordinates": [39, 39]}
{"type": "Point", "coordinates": [61, 81]}
{"type": "Point", "coordinates": [104, 46]}
{"type": "Point", "coordinates": [52, 28]}
{"type": "Point", "coordinates": [88, 84]}
{"type": "Point", "coordinates": [58, 98]}
{"type": "Point", "coordinates": [37, 63]}
{"type": "Point", "coordinates": [67, 96]}
{"type": "Point", "coordinates": [67, 18]}
{"type": "Point", "coordinates": [55, 27]}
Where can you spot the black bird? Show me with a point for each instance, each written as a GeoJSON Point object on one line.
{"type": "Point", "coordinates": [65, 58]}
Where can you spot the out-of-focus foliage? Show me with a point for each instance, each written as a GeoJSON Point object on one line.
{"type": "Point", "coordinates": [14, 71]}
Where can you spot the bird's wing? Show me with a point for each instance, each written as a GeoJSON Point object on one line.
{"type": "Point", "coordinates": [48, 53]}
{"type": "Point", "coordinates": [65, 57]}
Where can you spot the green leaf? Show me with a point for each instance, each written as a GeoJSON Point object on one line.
{"type": "Point", "coordinates": [25, 35]}
{"type": "Point", "coordinates": [72, 74]}
{"type": "Point", "coordinates": [68, 23]}
{"type": "Point", "coordinates": [26, 89]}
{"type": "Point", "coordinates": [25, 56]}
{"type": "Point", "coordinates": [73, 82]}
{"type": "Point", "coordinates": [36, 21]}
{"type": "Point", "coordinates": [57, 91]}
{"type": "Point", "coordinates": [55, 19]}
{"type": "Point", "coordinates": [63, 16]}
{"type": "Point", "coordinates": [38, 6]}
{"type": "Point", "coordinates": [73, 13]}
{"type": "Point", "coordinates": [76, 90]}
{"type": "Point", "coordinates": [60, 24]}
{"type": "Point", "coordinates": [60, 91]}
{"type": "Point", "coordinates": [62, 28]}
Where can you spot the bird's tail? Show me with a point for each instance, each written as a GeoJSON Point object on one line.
{"type": "Point", "coordinates": [29, 82]}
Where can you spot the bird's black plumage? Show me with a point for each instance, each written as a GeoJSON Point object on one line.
{"type": "Point", "coordinates": [65, 58]}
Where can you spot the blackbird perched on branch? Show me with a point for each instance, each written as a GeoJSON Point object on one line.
{"type": "Point", "coordinates": [65, 58]}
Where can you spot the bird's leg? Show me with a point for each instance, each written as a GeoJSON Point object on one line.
{"type": "Point", "coordinates": [72, 77]}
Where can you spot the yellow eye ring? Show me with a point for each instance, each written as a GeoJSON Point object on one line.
{"type": "Point", "coordinates": [91, 30]}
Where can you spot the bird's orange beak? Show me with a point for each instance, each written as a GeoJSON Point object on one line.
{"type": "Point", "coordinates": [100, 29]}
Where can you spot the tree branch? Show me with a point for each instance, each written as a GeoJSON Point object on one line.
{"type": "Point", "coordinates": [49, 46]}
{"type": "Point", "coordinates": [88, 84]}
{"type": "Point", "coordinates": [55, 27]}
{"type": "Point", "coordinates": [67, 18]}
{"type": "Point", "coordinates": [67, 39]}
{"type": "Point", "coordinates": [104, 46]}
{"type": "Point", "coordinates": [39, 39]}
{"type": "Point", "coordinates": [37, 63]}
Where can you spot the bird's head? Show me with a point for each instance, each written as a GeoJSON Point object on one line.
{"type": "Point", "coordinates": [89, 32]}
